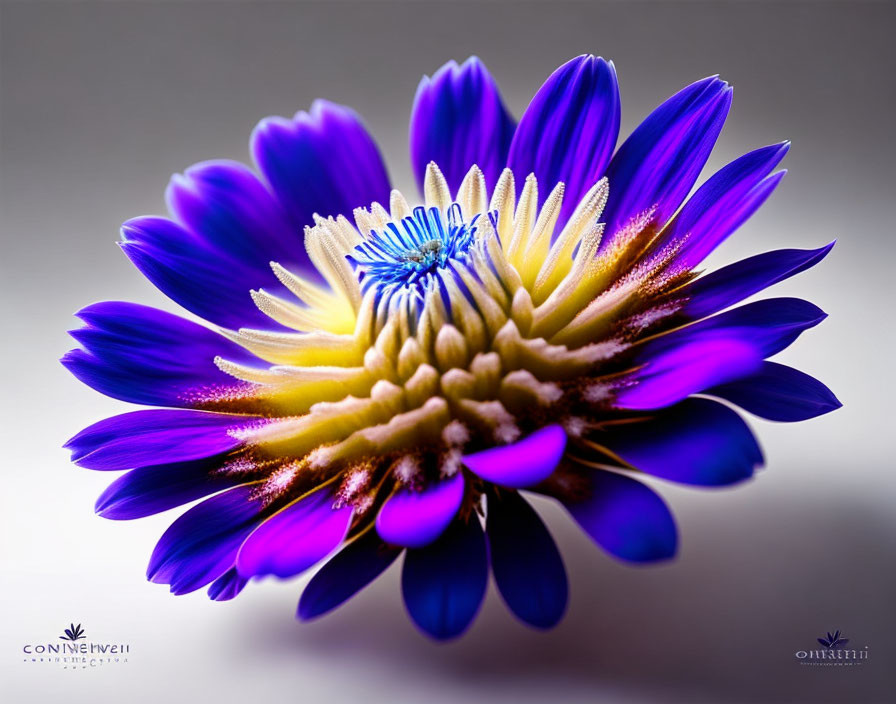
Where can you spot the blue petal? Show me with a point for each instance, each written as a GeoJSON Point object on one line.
{"type": "Point", "coordinates": [444, 583]}
{"type": "Point", "coordinates": [624, 517]}
{"type": "Point", "coordinates": [227, 586]}
{"type": "Point", "coordinates": [416, 518]}
{"type": "Point", "coordinates": [772, 324]}
{"type": "Point", "coordinates": [225, 205]}
{"type": "Point", "coordinates": [661, 160]}
{"type": "Point", "coordinates": [735, 282]}
{"type": "Point", "coordinates": [715, 351]}
{"type": "Point", "coordinates": [697, 441]}
{"type": "Point", "coordinates": [148, 490]}
{"type": "Point", "coordinates": [295, 538]}
{"type": "Point", "coordinates": [458, 120]}
{"type": "Point", "coordinates": [196, 275]}
{"type": "Point", "coordinates": [522, 463]}
{"type": "Point", "coordinates": [143, 355]}
{"type": "Point", "coordinates": [321, 162]}
{"type": "Point", "coordinates": [723, 204]}
{"type": "Point", "coordinates": [569, 130]}
{"type": "Point", "coordinates": [525, 561]}
{"type": "Point", "coordinates": [347, 573]}
{"type": "Point", "coordinates": [777, 392]}
{"type": "Point", "coordinates": [155, 437]}
{"type": "Point", "coordinates": [201, 545]}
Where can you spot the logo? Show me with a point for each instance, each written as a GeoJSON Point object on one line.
{"type": "Point", "coordinates": [76, 652]}
{"type": "Point", "coordinates": [833, 641]}
{"type": "Point", "coordinates": [833, 653]}
{"type": "Point", "coordinates": [73, 633]}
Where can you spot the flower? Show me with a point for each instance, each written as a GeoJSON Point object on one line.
{"type": "Point", "coordinates": [390, 387]}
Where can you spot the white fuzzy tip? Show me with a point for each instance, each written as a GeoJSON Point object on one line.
{"type": "Point", "coordinates": [507, 432]}
{"type": "Point", "coordinates": [451, 462]}
{"type": "Point", "coordinates": [455, 434]}
{"type": "Point", "coordinates": [597, 393]}
{"type": "Point", "coordinates": [574, 426]}
{"type": "Point", "coordinates": [407, 469]}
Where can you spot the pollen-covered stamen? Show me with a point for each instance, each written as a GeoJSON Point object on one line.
{"type": "Point", "coordinates": [407, 470]}
{"type": "Point", "coordinates": [238, 466]}
{"type": "Point", "coordinates": [598, 393]}
{"type": "Point", "coordinates": [575, 426]}
{"type": "Point", "coordinates": [456, 434]}
{"type": "Point", "coordinates": [279, 482]}
{"type": "Point", "coordinates": [354, 483]}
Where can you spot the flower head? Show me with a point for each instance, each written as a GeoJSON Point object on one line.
{"type": "Point", "coordinates": [390, 383]}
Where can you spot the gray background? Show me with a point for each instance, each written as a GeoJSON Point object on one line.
{"type": "Point", "coordinates": [102, 101]}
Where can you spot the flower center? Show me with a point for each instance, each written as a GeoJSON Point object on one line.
{"type": "Point", "coordinates": [409, 253]}
{"type": "Point", "coordinates": [448, 329]}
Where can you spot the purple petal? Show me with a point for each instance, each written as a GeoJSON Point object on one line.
{"type": "Point", "coordinates": [525, 561]}
{"type": "Point", "coordinates": [734, 283]}
{"type": "Point", "coordinates": [777, 392]}
{"type": "Point", "coordinates": [241, 228]}
{"type": "Point", "coordinates": [223, 204]}
{"type": "Point", "coordinates": [416, 518]}
{"type": "Point", "coordinates": [295, 538]}
{"type": "Point", "coordinates": [444, 583]}
{"type": "Point", "coordinates": [148, 490]}
{"type": "Point", "coordinates": [321, 162]}
{"type": "Point", "coordinates": [522, 463]}
{"type": "Point", "coordinates": [715, 351]}
{"type": "Point", "coordinates": [227, 586]}
{"type": "Point", "coordinates": [202, 544]}
{"type": "Point", "coordinates": [689, 368]}
{"type": "Point", "coordinates": [771, 325]}
{"type": "Point", "coordinates": [723, 204]}
{"type": "Point", "coordinates": [697, 441]}
{"type": "Point", "coordinates": [458, 120]}
{"type": "Point", "coordinates": [155, 437]}
{"type": "Point", "coordinates": [624, 517]}
{"type": "Point", "coordinates": [569, 130]}
{"type": "Point", "coordinates": [661, 160]}
{"type": "Point", "coordinates": [196, 275]}
{"type": "Point", "coordinates": [347, 573]}
{"type": "Point", "coordinates": [143, 355]}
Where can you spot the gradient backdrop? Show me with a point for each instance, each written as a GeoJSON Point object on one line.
{"type": "Point", "coordinates": [101, 102]}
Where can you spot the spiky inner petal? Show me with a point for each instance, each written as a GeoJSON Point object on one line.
{"type": "Point", "coordinates": [459, 325]}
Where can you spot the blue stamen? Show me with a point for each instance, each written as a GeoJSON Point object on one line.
{"type": "Point", "coordinates": [392, 258]}
{"type": "Point", "coordinates": [407, 259]}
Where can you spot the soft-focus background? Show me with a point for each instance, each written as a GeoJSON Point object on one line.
{"type": "Point", "coordinates": [102, 101]}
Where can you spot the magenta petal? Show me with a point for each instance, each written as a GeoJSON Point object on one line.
{"type": "Point", "coordinates": [690, 368]}
{"type": "Point", "coordinates": [416, 518]}
{"type": "Point", "coordinates": [296, 538]}
{"type": "Point", "coordinates": [522, 463]}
